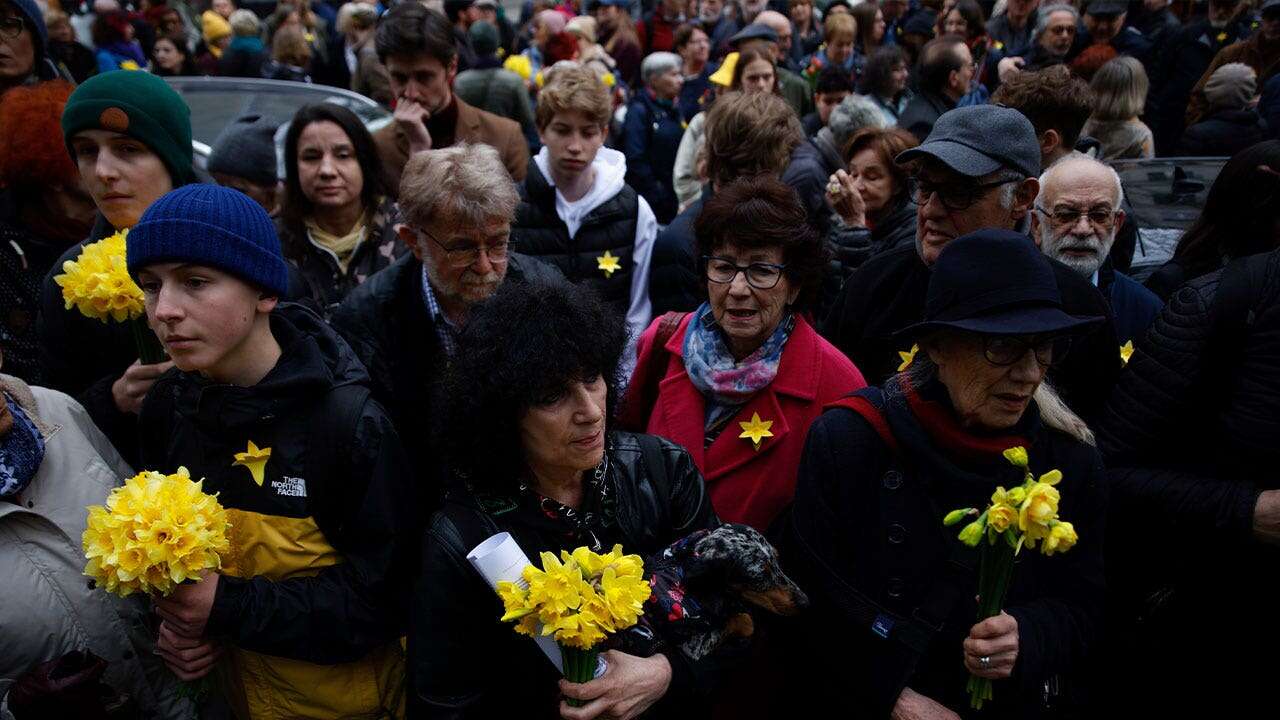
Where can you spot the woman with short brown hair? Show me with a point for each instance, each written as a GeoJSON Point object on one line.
{"type": "Point", "coordinates": [872, 196]}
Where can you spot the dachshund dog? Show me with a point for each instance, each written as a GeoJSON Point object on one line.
{"type": "Point", "coordinates": [703, 585]}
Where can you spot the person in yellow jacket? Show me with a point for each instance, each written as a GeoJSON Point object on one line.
{"type": "Point", "coordinates": [272, 409]}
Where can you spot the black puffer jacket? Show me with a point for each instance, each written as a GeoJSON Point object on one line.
{"type": "Point", "coordinates": [869, 518]}
{"type": "Point", "coordinates": [674, 285]}
{"type": "Point", "coordinates": [1190, 441]}
{"type": "Point", "coordinates": [464, 663]}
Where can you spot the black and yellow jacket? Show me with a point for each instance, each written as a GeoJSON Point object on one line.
{"type": "Point", "coordinates": [313, 592]}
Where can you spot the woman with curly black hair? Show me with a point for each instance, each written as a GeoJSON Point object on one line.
{"type": "Point", "coordinates": [530, 440]}
{"type": "Point", "coordinates": [737, 381]}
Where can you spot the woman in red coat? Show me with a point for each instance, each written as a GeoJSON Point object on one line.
{"type": "Point", "coordinates": [738, 381]}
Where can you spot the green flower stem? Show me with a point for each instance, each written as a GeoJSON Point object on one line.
{"type": "Point", "coordinates": [150, 351]}
{"type": "Point", "coordinates": [995, 573]}
{"type": "Point", "coordinates": [579, 667]}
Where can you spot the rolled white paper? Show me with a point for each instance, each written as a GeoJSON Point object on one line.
{"type": "Point", "coordinates": [500, 559]}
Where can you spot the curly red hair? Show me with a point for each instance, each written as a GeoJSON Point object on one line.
{"type": "Point", "coordinates": [32, 150]}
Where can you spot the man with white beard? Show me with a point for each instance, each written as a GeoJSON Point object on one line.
{"type": "Point", "coordinates": [1075, 220]}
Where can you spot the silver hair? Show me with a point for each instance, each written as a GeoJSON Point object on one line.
{"type": "Point", "coordinates": [1054, 412]}
{"type": "Point", "coordinates": [1008, 190]}
{"type": "Point", "coordinates": [658, 63]}
{"type": "Point", "coordinates": [853, 113]}
{"type": "Point", "coordinates": [465, 183]}
{"type": "Point", "coordinates": [1076, 158]}
{"type": "Point", "coordinates": [244, 23]}
{"type": "Point", "coordinates": [1042, 17]}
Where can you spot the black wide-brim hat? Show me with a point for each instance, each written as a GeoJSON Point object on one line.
{"type": "Point", "coordinates": [996, 282]}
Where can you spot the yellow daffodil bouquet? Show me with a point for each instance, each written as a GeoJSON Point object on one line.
{"type": "Point", "coordinates": [97, 283]}
{"type": "Point", "coordinates": [579, 599]}
{"type": "Point", "coordinates": [154, 533]}
{"type": "Point", "coordinates": [1025, 516]}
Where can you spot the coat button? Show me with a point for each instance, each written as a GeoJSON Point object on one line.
{"type": "Point", "coordinates": [894, 587]}
{"type": "Point", "coordinates": [897, 534]}
{"type": "Point", "coordinates": [93, 585]}
{"type": "Point", "coordinates": [892, 480]}
{"type": "Point", "coordinates": [31, 504]}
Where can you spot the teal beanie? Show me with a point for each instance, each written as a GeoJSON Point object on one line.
{"type": "Point", "coordinates": [140, 105]}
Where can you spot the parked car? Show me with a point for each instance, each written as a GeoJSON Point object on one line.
{"type": "Point", "coordinates": [216, 101]}
{"type": "Point", "coordinates": [1166, 195]}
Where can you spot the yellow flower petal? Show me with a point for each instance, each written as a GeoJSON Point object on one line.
{"type": "Point", "coordinates": [756, 430]}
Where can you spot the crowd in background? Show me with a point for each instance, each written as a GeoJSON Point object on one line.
{"type": "Point", "coordinates": [581, 247]}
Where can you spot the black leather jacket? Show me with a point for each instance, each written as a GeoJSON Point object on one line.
{"type": "Point", "coordinates": [463, 662]}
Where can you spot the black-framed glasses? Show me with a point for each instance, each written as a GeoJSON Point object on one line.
{"type": "Point", "coordinates": [761, 276]}
{"type": "Point", "coordinates": [1005, 350]}
{"type": "Point", "coordinates": [11, 27]}
{"type": "Point", "coordinates": [462, 256]}
{"type": "Point", "coordinates": [954, 196]}
{"type": "Point", "coordinates": [1068, 217]}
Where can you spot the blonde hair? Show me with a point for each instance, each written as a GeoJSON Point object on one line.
{"type": "Point", "coordinates": [840, 27]}
{"type": "Point", "coordinates": [356, 16]}
{"type": "Point", "coordinates": [1119, 90]}
{"type": "Point", "coordinates": [464, 183]}
{"type": "Point", "coordinates": [574, 89]}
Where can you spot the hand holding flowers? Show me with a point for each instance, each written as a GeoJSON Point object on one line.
{"type": "Point", "coordinates": [1026, 515]}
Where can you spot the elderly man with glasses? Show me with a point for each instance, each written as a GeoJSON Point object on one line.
{"type": "Point", "coordinates": [403, 322]}
{"type": "Point", "coordinates": [977, 169]}
{"type": "Point", "coordinates": [1076, 219]}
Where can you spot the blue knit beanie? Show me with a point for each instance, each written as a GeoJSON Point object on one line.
{"type": "Point", "coordinates": [210, 225]}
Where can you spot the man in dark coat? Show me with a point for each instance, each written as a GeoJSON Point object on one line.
{"type": "Point", "coordinates": [978, 169]}
{"type": "Point", "coordinates": [1076, 221]}
{"type": "Point", "coordinates": [946, 68]}
{"type": "Point", "coordinates": [1182, 61]}
{"type": "Point", "coordinates": [1232, 124]}
{"type": "Point", "coordinates": [403, 322]}
{"type": "Point", "coordinates": [1189, 438]}
{"type": "Point", "coordinates": [1260, 51]}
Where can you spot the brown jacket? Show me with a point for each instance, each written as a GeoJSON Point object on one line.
{"type": "Point", "coordinates": [474, 125]}
{"type": "Point", "coordinates": [1256, 52]}
{"type": "Point", "coordinates": [370, 78]}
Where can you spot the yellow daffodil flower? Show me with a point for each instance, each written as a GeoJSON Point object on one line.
{"type": "Point", "coordinates": [97, 283]}
{"type": "Point", "coordinates": [908, 357]}
{"type": "Point", "coordinates": [1001, 517]}
{"type": "Point", "coordinates": [972, 533]}
{"type": "Point", "coordinates": [1126, 352]}
{"type": "Point", "coordinates": [255, 460]}
{"type": "Point", "coordinates": [955, 516]}
{"type": "Point", "coordinates": [608, 264]}
{"type": "Point", "coordinates": [154, 533]}
{"type": "Point", "coordinates": [1062, 537]}
{"type": "Point", "coordinates": [756, 430]}
{"type": "Point", "coordinates": [1017, 456]}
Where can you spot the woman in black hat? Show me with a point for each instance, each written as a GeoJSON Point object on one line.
{"type": "Point", "coordinates": [890, 585]}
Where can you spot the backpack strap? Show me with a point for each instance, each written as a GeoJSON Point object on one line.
{"type": "Point", "coordinates": [668, 324]}
{"type": "Point", "coordinates": [915, 632]}
{"type": "Point", "coordinates": [331, 444]}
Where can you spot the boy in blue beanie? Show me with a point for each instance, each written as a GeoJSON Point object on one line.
{"type": "Point", "coordinates": [272, 410]}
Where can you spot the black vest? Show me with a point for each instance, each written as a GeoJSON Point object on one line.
{"type": "Point", "coordinates": [539, 231]}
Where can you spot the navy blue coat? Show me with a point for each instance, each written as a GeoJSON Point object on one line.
{"type": "Point", "coordinates": [650, 138]}
{"type": "Point", "coordinates": [1135, 307]}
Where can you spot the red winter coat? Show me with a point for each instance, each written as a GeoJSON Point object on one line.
{"type": "Point", "coordinates": [746, 485]}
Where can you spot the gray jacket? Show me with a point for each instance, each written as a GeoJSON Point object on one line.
{"type": "Point", "coordinates": [498, 91]}
{"type": "Point", "coordinates": [47, 606]}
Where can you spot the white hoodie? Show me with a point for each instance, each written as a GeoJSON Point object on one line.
{"type": "Point", "coordinates": [610, 172]}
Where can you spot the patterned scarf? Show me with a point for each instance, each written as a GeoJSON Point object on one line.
{"type": "Point", "coordinates": [725, 383]}
{"type": "Point", "coordinates": [21, 452]}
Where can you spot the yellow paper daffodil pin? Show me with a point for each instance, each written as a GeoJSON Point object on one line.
{"type": "Point", "coordinates": [256, 460]}
{"type": "Point", "coordinates": [1126, 352]}
{"type": "Point", "coordinates": [129, 65]}
{"type": "Point", "coordinates": [756, 430]}
{"type": "Point", "coordinates": [608, 264]}
{"type": "Point", "coordinates": [908, 357]}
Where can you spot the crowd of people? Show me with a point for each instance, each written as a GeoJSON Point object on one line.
{"type": "Point", "coordinates": [626, 272]}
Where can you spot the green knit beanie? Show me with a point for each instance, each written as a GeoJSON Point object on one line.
{"type": "Point", "coordinates": [140, 105]}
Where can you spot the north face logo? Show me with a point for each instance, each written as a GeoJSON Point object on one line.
{"type": "Point", "coordinates": [290, 487]}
